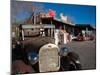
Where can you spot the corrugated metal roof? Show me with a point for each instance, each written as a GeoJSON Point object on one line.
{"type": "Point", "coordinates": [38, 26]}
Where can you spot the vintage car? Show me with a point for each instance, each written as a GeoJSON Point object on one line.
{"type": "Point", "coordinates": [41, 54]}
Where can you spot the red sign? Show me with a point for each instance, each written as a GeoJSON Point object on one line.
{"type": "Point", "coordinates": [51, 13]}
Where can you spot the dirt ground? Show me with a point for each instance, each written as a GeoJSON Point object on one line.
{"type": "Point", "coordinates": [86, 51]}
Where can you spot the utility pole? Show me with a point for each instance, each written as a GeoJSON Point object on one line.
{"type": "Point", "coordinates": [34, 18]}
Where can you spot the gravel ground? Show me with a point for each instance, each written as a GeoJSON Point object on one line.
{"type": "Point", "coordinates": [86, 51]}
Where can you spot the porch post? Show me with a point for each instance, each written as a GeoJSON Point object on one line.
{"type": "Point", "coordinates": [73, 31]}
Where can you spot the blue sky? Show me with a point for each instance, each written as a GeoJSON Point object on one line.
{"type": "Point", "coordinates": [80, 14]}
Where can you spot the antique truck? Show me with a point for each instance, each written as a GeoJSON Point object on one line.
{"type": "Point", "coordinates": [36, 51]}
